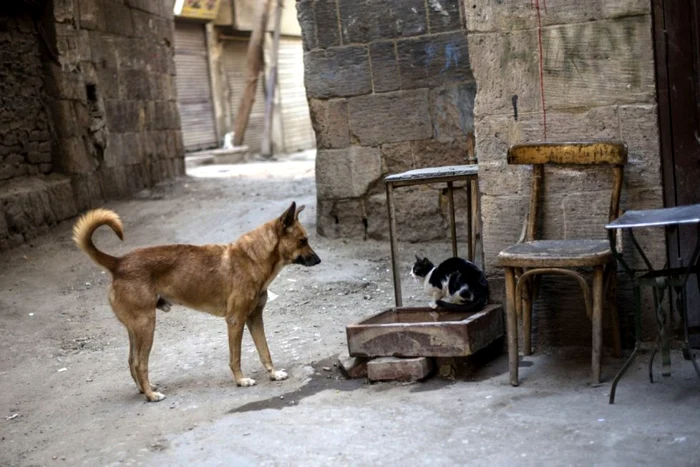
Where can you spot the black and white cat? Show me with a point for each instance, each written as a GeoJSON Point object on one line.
{"type": "Point", "coordinates": [454, 283]}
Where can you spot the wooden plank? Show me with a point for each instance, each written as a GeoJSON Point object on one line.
{"type": "Point", "coordinates": [613, 153]}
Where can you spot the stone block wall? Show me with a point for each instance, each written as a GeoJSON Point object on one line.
{"type": "Point", "coordinates": [89, 109]}
{"type": "Point", "coordinates": [594, 80]}
{"type": "Point", "coordinates": [390, 89]}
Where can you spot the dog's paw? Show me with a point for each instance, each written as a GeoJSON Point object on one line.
{"type": "Point", "coordinates": [278, 375]}
{"type": "Point", "coordinates": [155, 397]}
{"type": "Point", "coordinates": [245, 382]}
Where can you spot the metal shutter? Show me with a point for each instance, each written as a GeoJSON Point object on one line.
{"type": "Point", "coordinates": [234, 60]}
{"type": "Point", "coordinates": [194, 87]}
{"type": "Point", "coordinates": [296, 122]}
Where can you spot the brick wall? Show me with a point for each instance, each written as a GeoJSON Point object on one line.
{"type": "Point", "coordinates": [88, 108]}
{"type": "Point", "coordinates": [598, 84]}
{"type": "Point", "coordinates": [390, 89]}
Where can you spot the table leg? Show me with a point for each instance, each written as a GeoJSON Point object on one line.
{"type": "Point", "coordinates": [453, 227]}
{"type": "Point", "coordinates": [470, 221]}
{"type": "Point", "coordinates": [638, 340]}
{"type": "Point", "coordinates": [394, 247]}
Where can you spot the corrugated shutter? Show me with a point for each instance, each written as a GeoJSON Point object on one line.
{"type": "Point", "coordinates": [193, 87]}
{"type": "Point", "coordinates": [234, 60]}
{"type": "Point", "coordinates": [296, 122]}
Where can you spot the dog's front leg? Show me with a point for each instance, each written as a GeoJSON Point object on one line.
{"type": "Point", "coordinates": [235, 320]}
{"type": "Point", "coordinates": [257, 330]}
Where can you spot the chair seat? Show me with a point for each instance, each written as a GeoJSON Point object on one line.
{"type": "Point", "coordinates": [557, 254]}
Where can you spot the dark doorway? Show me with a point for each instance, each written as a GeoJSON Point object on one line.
{"type": "Point", "coordinates": [677, 44]}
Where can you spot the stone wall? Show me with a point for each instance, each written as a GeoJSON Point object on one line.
{"type": "Point", "coordinates": [89, 109]}
{"type": "Point", "coordinates": [597, 83]}
{"type": "Point", "coordinates": [390, 89]}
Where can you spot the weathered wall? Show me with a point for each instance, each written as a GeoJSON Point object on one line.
{"type": "Point", "coordinates": [597, 83]}
{"type": "Point", "coordinates": [89, 108]}
{"type": "Point", "coordinates": [390, 89]}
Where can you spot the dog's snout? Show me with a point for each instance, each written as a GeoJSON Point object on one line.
{"type": "Point", "coordinates": [314, 260]}
{"type": "Point", "coordinates": [309, 260]}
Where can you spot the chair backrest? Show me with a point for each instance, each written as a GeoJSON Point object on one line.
{"type": "Point", "coordinates": [613, 154]}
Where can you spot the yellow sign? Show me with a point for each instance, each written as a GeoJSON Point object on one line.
{"type": "Point", "coordinates": [199, 9]}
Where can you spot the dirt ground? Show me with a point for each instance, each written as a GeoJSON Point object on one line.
{"type": "Point", "coordinates": [66, 396]}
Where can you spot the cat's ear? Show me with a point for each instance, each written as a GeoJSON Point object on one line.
{"type": "Point", "coordinates": [418, 258]}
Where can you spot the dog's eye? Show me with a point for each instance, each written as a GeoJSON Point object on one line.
{"type": "Point", "coordinates": [304, 241]}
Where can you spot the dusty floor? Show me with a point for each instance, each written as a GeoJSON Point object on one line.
{"type": "Point", "coordinates": [66, 397]}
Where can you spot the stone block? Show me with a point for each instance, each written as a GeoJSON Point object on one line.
{"type": "Point", "coordinates": [62, 84]}
{"type": "Point", "coordinates": [113, 151]}
{"type": "Point", "coordinates": [390, 117]}
{"type": "Point", "coordinates": [433, 60]}
{"type": "Point", "coordinates": [397, 157]}
{"type": "Point", "coordinates": [73, 156]}
{"type": "Point", "coordinates": [418, 215]}
{"type": "Point", "coordinates": [64, 10]}
{"type": "Point", "coordinates": [151, 6]}
{"type": "Point", "coordinates": [117, 18]}
{"type": "Point", "coordinates": [122, 116]}
{"type": "Point", "coordinates": [347, 173]}
{"type": "Point", "coordinates": [385, 70]}
{"type": "Point", "coordinates": [89, 14]}
{"type": "Point", "coordinates": [599, 63]}
{"type": "Point", "coordinates": [307, 22]}
{"type": "Point", "coordinates": [134, 85]}
{"type": "Point", "coordinates": [399, 369]}
{"type": "Point", "coordinates": [340, 218]}
{"type": "Point", "coordinates": [363, 21]}
{"type": "Point", "coordinates": [108, 82]}
{"type": "Point", "coordinates": [444, 15]}
{"type": "Point", "coordinates": [4, 231]}
{"type": "Point", "coordinates": [104, 50]}
{"type": "Point", "coordinates": [434, 153]}
{"type": "Point", "coordinates": [352, 367]}
{"type": "Point", "coordinates": [639, 130]}
{"type": "Point", "coordinates": [510, 57]}
{"type": "Point", "coordinates": [452, 108]}
{"type": "Point", "coordinates": [337, 72]}
{"type": "Point", "coordinates": [327, 24]}
{"type": "Point", "coordinates": [330, 123]}
{"type": "Point", "coordinates": [502, 218]}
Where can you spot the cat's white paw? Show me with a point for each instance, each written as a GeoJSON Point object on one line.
{"type": "Point", "coordinates": [278, 375]}
{"type": "Point", "coordinates": [433, 305]}
{"type": "Point", "coordinates": [245, 382]}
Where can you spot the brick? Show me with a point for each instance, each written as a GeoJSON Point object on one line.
{"type": "Point", "coordinates": [337, 72]}
{"type": "Point", "coordinates": [347, 173]}
{"type": "Point", "coordinates": [327, 24]}
{"type": "Point", "coordinates": [385, 68]}
{"type": "Point", "coordinates": [444, 15]}
{"type": "Point", "coordinates": [431, 61]}
{"type": "Point", "coordinates": [363, 21]}
{"type": "Point", "coordinates": [351, 367]}
{"type": "Point", "coordinates": [330, 123]}
{"type": "Point", "coordinates": [390, 117]}
{"type": "Point", "coordinates": [399, 369]}
{"type": "Point", "coordinates": [452, 108]}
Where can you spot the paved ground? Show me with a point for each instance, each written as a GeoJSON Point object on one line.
{"type": "Point", "coordinates": [66, 397]}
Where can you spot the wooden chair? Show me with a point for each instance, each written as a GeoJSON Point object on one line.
{"type": "Point", "coordinates": [529, 258]}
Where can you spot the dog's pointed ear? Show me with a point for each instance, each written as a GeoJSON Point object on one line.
{"type": "Point", "coordinates": [299, 209]}
{"type": "Point", "coordinates": [287, 219]}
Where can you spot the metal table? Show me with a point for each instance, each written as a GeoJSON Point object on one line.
{"type": "Point", "coordinates": [448, 175]}
{"type": "Point", "coordinates": [659, 279]}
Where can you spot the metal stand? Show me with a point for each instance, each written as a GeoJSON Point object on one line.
{"type": "Point", "coordinates": [673, 279]}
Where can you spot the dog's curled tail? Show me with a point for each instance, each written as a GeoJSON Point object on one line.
{"type": "Point", "coordinates": [86, 226]}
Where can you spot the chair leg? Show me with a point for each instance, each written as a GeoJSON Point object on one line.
{"type": "Point", "coordinates": [598, 276]}
{"type": "Point", "coordinates": [611, 293]}
{"type": "Point", "coordinates": [512, 322]}
{"type": "Point", "coordinates": [527, 316]}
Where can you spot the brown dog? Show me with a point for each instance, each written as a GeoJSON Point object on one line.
{"type": "Point", "coordinates": [225, 280]}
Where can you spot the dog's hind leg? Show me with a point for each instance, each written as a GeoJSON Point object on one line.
{"type": "Point", "coordinates": [143, 329]}
{"type": "Point", "coordinates": [257, 331]}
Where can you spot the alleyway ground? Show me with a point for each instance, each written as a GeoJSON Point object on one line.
{"type": "Point", "coordinates": [54, 315]}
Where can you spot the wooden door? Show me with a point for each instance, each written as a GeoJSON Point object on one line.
{"type": "Point", "coordinates": [677, 44]}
